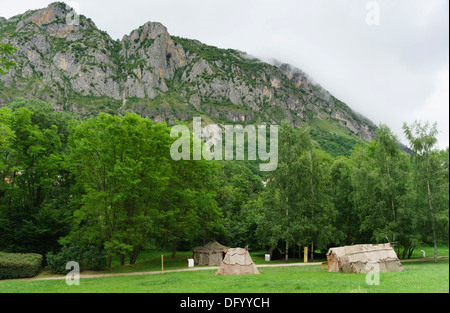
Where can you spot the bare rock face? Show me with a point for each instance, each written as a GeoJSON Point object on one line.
{"type": "Point", "coordinates": [48, 15]}
{"type": "Point", "coordinates": [81, 68]}
{"type": "Point", "coordinates": [153, 57]}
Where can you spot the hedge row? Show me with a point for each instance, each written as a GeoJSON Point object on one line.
{"type": "Point", "coordinates": [19, 265]}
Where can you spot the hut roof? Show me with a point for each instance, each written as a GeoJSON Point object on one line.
{"type": "Point", "coordinates": [212, 246]}
{"type": "Point", "coordinates": [357, 258]}
{"type": "Point", "coordinates": [237, 261]}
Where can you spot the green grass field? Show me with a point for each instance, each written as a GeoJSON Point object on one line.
{"type": "Point", "coordinates": [151, 260]}
{"type": "Point", "coordinates": [418, 277]}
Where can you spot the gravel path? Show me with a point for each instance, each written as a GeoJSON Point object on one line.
{"type": "Point", "coordinates": [203, 268]}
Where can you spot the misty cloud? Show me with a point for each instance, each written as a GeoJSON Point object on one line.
{"type": "Point", "coordinates": [391, 73]}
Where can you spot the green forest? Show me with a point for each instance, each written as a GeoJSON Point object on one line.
{"type": "Point", "coordinates": [107, 185]}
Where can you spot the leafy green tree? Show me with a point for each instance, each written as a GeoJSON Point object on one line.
{"type": "Point", "coordinates": [430, 175]}
{"type": "Point", "coordinates": [238, 186]}
{"type": "Point", "coordinates": [190, 201]}
{"type": "Point", "coordinates": [381, 179]}
{"type": "Point", "coordinates": [283, 220]}
{"type": "Point", "coordinates": [273, 226]}
{"type": "Point", "coordinates": [6, 140]}
{"type": "Point", "coordinates": [6, 52]}
{"type": "Point", "coordinates": [409, 224]}
{"type": "Point", "coordinates": [318, 205]}
{"type": "Point", "coordinates": [45, 116]}
{"type": "Point", "coordinates": [119, 165]}
{"type": "Point", "coordinates": [342, 192]}
{"type": "Point", "coordinates": [298, 210]}
{"type": "Point", "coordinates": [32, 215]}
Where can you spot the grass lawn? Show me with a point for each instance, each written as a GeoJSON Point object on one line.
{"type": "Point", "coordinates": [417, 277]}
{"type": "Point", "coordinates": [151, 261]}
{"type": "Point", "coordinates": [429, 251]}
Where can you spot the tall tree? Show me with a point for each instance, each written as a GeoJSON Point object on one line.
{"type": "Point", "coordinates": [120, 165]}
{"type": "Point", "coordinates": [342, 192]}
{"type": "Point", "coordinates": [298, 211]}
{"type": "Point", "coordinates": [288, 182]}
{"type": "Point", "coordinates": [431, 179]}
{"type": "Point", "coordinates": [237, 188]}
{"type": "Point", "coordinates": [33, 215]}
{"type": "Point", "coordinates": [381, 178]}
{"type": "Point", "coordinates": [190, 201]}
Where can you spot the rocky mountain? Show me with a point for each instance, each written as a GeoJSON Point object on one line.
{"type": "Point", "coordinates": [67, 60]}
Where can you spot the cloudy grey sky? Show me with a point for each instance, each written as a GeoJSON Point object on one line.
{"type": "Point", "coordinates": [393, 72]}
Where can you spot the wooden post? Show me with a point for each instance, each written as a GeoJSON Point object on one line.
{"type": "Point", "coordinates": [305, 255]}
{"type": "Point", "coordinates": [162, 264]}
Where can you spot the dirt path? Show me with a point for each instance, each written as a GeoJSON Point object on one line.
{"type": "Point", "coordinates": [204, 268]}
{"type": "Point", "coordinates": [440, 258]}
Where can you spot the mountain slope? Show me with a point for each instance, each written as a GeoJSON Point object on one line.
{"type": "Point", "coordinates": [167, 78]}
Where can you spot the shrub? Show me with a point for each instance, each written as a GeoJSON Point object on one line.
{"type": "Point", "coordinates": [57, 262]}
{"type": "Point", "coordinates": [89, 258]}
{"type": "Point", "coordinates": [19, 265]}
{"type": "Point", "coordinates": [94, 259]}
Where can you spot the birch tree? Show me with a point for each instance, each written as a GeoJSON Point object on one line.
{"type": "Point", "coordinates": [430, 174]}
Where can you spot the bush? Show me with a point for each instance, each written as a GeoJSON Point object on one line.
{"type": "Point", "coordinates": [19, 265]}
{"type": "Point", "coordinates": [89, 258]}
{"type": "Point", "coordinates": [57, 262]}
{"type": "Point", "coordinates": [94, 259]}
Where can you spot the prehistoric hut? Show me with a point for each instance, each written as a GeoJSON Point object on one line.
{"type": "Point", "coordinates": [210, 254]}
{"type": "Point", "coordinates": [363, 259]}
{"type": "Point", "coordinates": [237, 261]}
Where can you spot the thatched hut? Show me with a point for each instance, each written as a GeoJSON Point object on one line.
{"type": "Point", "coordinates": [237, 261]}
{"type": "Point", "coordinates": [210, 254]}
{"type": "Point", "coordinates": [362, 258]}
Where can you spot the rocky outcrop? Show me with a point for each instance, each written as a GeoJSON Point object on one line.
{"type": "Point", "coordinates": [81, 68]}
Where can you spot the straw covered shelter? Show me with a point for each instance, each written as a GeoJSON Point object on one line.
{"type": "Point", "coordinates": [363, 259]}
{"type": "Point", "coordinates": [210, 254]}
{"type": "Point", "coordinates": [237, 261]}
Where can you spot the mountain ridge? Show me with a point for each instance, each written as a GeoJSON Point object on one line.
{"type": "Point", "coordinates": [80, 68]}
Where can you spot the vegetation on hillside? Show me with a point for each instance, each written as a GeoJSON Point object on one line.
{"type": "Point", "coordinates": [102, 181]}
{"type": "Point", "coordinates": [109, 182]}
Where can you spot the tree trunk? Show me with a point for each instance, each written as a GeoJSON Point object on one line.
{"type": "Point", "coordinates": [435, 251]}
{"type": "Point", "coordinates": [391, 195]}
{"type": "Point", "coordinates": [411, 250]}
{"type": "Point", "coordinates": [109, 260]}
{"type": "Point", "coordinates": [432, 220]}
{"type": "Point", "coordinates": [270, 252]}
{"type": "Point", "coordinates": [133, 255]}
{"type": "Point", "coordinates": [174, 250]}
{"type": "Point", "coordinates": [312, 251]}
{"type": "Point", "coordinates": [393, 213]}
{"type": "Point", "coordinates": [287, 251]}
{"type": "Point", "coordinates": [205, 234]}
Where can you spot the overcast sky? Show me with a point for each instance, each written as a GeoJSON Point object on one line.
{"type": "Point", "coordinates": [394, 71]}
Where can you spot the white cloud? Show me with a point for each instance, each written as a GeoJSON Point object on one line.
{"type": "Point", "coordinates": [436, 107]}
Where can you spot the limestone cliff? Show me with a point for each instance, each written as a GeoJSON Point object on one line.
{"type": "Point", "coordinates": [78, 67]}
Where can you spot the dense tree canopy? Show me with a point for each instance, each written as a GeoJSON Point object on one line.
{"type": "Point", "coordinates": [110, 182]}
{"type": "Point", "coordinates": [33, 177]}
